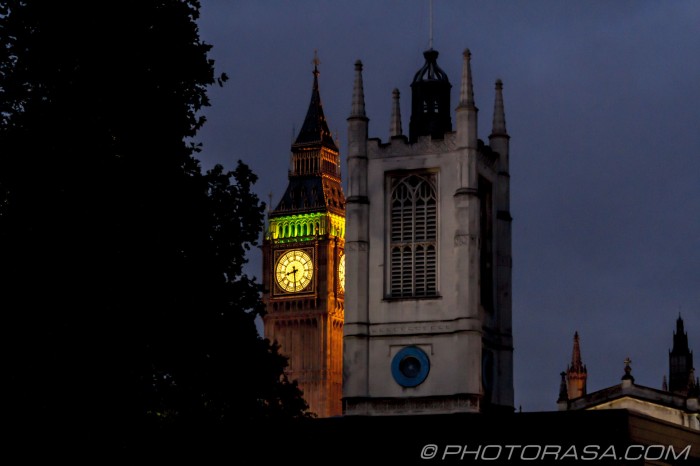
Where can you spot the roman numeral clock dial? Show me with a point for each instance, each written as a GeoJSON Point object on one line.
{"type": "Point", "coordinates": [341, 272]}
{"type": "Point", "coordinates": [294, 271]}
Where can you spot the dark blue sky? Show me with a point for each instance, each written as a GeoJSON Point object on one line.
{"type": "Point", "coordinates": [602, 104]}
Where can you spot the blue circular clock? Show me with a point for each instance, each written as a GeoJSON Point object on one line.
{"type": "Point", "coordinates": [410, 366]}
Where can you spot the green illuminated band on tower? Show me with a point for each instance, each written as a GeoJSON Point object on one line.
{"type": "Point", "coordinates": [305, 227]}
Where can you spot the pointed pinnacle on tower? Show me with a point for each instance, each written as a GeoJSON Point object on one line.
{"type": "Point", "coordinates": [691, 379]}
{"type": "Point", "coordinates": [395, 129]}
{"type": "Point", "coordinates": [679, 323]}
{"type": "Point", "coordinates": [680, 360]}
{"type": "Point", "coordinates": [466, 91]}
{"type": "Point", "coordinates": [466, 111]}
{"type": "Point", "coordinates": [576, 362]}
{"type": "Point", "coordinates": [576, 372]}
{"type": "Point", "coordinates": [499, 114]}
{"type": "Point", "coordinates": [563, 400]}
{"type": "Point", "coordinates": [563, 392]}
{"type": "Point", "coordinates": [316, 61]}
{"type": "Point", "coordinates": [358, 94]}
{"type": "Point", "coordinates": [315, 130]}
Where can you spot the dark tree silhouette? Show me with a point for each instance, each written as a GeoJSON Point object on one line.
{"type": "Point", "coordinates": [123, 298]}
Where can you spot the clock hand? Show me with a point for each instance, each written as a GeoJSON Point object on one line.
{"type": "Point", "coordinates": [294, 271]}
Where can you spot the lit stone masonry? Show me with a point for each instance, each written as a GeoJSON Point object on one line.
{"type": "Point", "coordinates": [428, 241]}
{"type": "Point", "coordinates": [305, 227]}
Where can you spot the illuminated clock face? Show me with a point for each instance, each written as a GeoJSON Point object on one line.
{"type": "Point", "coordinates": [294, 270]}
{"type": "Point", "coordinates": [341, 272]}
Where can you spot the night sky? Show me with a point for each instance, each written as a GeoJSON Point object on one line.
{"type": "Point", "coordinates": [602, 104]}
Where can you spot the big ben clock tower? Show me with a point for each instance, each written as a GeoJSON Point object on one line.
{"type": "Point", "coordinates": [304, 264]}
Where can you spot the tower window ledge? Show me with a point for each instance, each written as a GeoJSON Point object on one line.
{"type": "Point", "coordinates": [411, 298]}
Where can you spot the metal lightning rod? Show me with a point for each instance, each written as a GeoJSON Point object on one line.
{"type": "Point", "coordinates": [430, 43]}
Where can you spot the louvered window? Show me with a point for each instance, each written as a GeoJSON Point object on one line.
{"type": "Point", "coordinates": [413, 236]}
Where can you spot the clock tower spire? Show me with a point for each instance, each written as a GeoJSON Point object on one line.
{"type": "Point", "coordinates": [304, 263]}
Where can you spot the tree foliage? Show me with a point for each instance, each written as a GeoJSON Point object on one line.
{"type": "Point", "coordinates": [124, 298]}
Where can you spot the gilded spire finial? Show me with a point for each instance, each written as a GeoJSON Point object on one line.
{"type": "Point", "coordinates": [316, 61]}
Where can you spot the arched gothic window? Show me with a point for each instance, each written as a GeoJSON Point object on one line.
{"type": "Point", "coordinates": [413, 236]}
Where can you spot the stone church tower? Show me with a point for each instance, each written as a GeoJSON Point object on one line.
{"type": "Point", "coordinates": [304, 264]}
{"type": "Point", "coordinates": [428, 315]}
